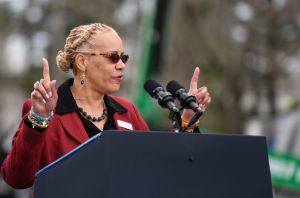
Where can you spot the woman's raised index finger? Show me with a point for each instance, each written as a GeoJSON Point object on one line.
{"type": "Point", "coordinates": [46, 72]}
{"type": "Point", "coordinates": [194, 80]}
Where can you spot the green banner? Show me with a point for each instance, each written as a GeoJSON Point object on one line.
{"type": "Point", "coordinates": [285, 170]}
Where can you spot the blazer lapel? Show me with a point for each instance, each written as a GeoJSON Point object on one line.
{"type": "Point", "coordinates": [72, 123]}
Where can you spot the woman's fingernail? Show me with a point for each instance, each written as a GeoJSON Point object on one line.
{"type": "Point", "coordinates": [50, 94]}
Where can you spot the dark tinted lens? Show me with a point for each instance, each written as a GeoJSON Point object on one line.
{"type": "Point", "coordinates": [114, 57]}
{"type": "Point", "coordinates": [124, 58]}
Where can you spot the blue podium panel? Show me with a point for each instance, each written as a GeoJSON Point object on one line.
{"type": "Point", "coordinates": [118, 164]}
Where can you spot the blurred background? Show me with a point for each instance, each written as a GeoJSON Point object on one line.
{"type": "Point", "coordinates": [248, 53]}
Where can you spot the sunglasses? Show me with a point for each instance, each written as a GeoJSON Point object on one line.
{"type": "Point", "coordinates": [113, 56]}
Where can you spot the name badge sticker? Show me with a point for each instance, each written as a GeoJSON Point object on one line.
{"type": "Point", "coordinates": [125, 125]}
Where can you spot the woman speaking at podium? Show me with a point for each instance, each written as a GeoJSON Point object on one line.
{"type": "Point", "coordinates": [56, 121]}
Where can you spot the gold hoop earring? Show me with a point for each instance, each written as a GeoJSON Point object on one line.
{"type": "Point", "coordinates": [82, 78]}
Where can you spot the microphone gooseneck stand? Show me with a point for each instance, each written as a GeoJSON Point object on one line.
{"type": "Point", "coordinates": [175, 117]}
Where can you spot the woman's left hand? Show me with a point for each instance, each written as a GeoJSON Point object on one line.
{"type": "Point", "coordinates": [203, 98]}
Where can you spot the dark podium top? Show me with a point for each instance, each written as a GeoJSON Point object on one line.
{"type": "Point", "coordinates": [118, 164]}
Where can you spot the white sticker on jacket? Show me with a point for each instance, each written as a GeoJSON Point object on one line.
{"type": "Point", "coordinates": [125, 125]}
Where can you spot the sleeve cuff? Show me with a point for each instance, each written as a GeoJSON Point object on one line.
{"type": "Point", "coordinates": [32, 127]}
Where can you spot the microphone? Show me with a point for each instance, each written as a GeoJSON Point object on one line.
{"type": "Point", "coordinates": [165, 99]}
{"type": "Point", "coordinates": [186, 99]}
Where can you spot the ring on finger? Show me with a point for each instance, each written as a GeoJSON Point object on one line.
{"type": "Point", "coordinates": [36, 84]}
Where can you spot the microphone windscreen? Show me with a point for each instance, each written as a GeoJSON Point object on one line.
{"type": "Point", "coordinates": [173, 87]}
{"type": "Point", "coordinates": [150, 86]}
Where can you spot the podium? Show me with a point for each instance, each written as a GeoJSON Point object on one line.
{"type": "Point", "coordinates": [117, 164]}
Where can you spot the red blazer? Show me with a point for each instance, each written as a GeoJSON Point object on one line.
{"type": "Point", "coordinates": [31, 150]}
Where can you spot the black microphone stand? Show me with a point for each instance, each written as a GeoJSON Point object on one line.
{"type": "Point", "coordinates": [175, 117]}
{"type": "Point", "coordinates": [194, 119]}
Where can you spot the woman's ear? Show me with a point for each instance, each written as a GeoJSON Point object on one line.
{"type": "Point", "coordinates": [80, 62]}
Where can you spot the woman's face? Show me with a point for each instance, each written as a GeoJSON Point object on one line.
{"type": "Point", "coordinates": [102, 74]}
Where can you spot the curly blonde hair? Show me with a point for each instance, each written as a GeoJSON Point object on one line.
{"type": "Point", "coordinates": [65, 59]}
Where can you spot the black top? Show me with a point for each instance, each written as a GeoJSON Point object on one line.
{"type": "Point", "coordinates": [67, 104]}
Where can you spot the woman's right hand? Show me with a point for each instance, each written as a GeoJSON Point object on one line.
{"type": "Point", "coordinates": [44, 95]}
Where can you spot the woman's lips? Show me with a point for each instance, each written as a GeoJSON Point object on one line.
{"type": "Point", "coordinates": [118, 78]}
